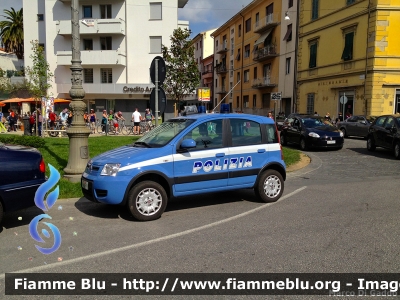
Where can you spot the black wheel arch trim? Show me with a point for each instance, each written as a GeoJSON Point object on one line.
{"type": "Point", "coordinates": [134, 179]}
{"type": "Point", "coordinates": [272, 166]}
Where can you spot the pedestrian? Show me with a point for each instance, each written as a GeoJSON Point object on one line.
{"type": "Point", "coordinates": [31, 122]}
{"type": "Point", "coordinates": [148, 116]}
{"type": "Point", "coordinates": [92, 118]}
{"type": "Point", "coordinates": [328, 117]}
{"type": "Point", "coordinates": [136, 118]}
{"type": "Point", "coordinates": [316, 114]}
{"type": "Point", "coordinates": [40, 121]}
{"type": "Point", "coordinates": [104, 121]}
{"type": "Point", "coordinates": [270, 115]}
{"type": "Point", "coordinates": [64, 116]}
{"type": "Point", "coordinates": [2, 121]}
{"type": "Point", "coordinates": [11, 120]}
{"type": "Point", "coordinates": [52, 118]}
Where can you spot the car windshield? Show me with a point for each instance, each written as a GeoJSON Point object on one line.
{"type": "Point", "coordinates": [315, 122]}
{"type": "Point", "coordinates": [398, 120]}
{"type": "Point", "coordinates": [161, 135]}
{"type": "Point", "coordinates": [371, 118]}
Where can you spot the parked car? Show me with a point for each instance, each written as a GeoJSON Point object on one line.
{"type": "Point", "coordinates": [312, 131]}
{"type": "Point", "coordinates": [22, 172]}
{"type": "Point", "coordinates": [385, 132]}
{"type": "Point", "coordinates": [193, 154]}
{"type": "Point", "coordinates": [356, 126]}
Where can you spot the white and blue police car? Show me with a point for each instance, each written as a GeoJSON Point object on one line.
{"type": "Point", "coordinates": [192, 154]}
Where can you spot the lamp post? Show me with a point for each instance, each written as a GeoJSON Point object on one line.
{"type": "Point", "coordinates": [77, 133]}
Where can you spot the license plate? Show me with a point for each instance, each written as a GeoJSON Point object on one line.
{"type": "Point", "coordinates": [85, 184]}
{"type": "Point", "coordinates": [331, 142]}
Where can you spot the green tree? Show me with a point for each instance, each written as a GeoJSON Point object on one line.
{"type": "Point", "coordinates": [182, 77]}
{"type": "Point", "coordinates": [12, 32]}
{"type": "Point", "coordinates": [39, 75]}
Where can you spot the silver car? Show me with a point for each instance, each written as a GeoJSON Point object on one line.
{"type": "Point", "coordinates": [356, 126]}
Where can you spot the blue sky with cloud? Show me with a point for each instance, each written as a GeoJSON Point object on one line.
{"type": "Point", "coordinates": [208, 14]}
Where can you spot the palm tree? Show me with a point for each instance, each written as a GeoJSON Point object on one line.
{"type": "Point", "coordinates": [12, 32]}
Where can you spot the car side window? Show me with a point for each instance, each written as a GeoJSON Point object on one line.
{"type": "Point", "coordinates": [380, 121]}
{"type": "Point", "coordinates": [296, 122]}
{"type": "Point", "coordinates": [207, 135]}
{"type": "Point", "coordinates": [245, 132]}
{"type": "Point", "coordinates": [352, 119]}
{"type": "Point", "coordinates": [389, 122]}
{"type": "Point", "coordinates": [272, 136]}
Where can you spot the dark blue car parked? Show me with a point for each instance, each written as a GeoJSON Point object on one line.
{"type": "Point", "coordinates": [22, 172]}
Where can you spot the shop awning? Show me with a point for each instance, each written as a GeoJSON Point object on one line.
{"type": "Point", "coordinates": [2, 104]}
{"type": "Point", "coordinates": [262, 38]}
{"type": "Point", "coordinates": [15, 100]}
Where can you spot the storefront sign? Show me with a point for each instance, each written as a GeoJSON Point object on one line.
{"type": "Point", "coordinates": [137, 90]}
{"type": "Point", "coordinates": [203, 94]}
{"type": "Point", "coordinates": [330, 82]}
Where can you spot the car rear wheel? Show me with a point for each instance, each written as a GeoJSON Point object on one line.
{"type": "Point", "coordinates": [371, 144]}
{"type": "Point", "coordinates": [344, 132]}
{"type": "Point", "coordinates": [283, 140]}
{"type": "Point", "coordinates": [397, 150]}
{"type": "Point", "coordinates": [303, 144]}
{"type": "Point", "coordinates": [1, 212]}
{"type": "Point", "coordinates": [270, 186]}
{"type": "Point", "coordinates": [147, 201]}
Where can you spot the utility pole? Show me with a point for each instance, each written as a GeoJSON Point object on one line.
{"type": "Point", "coordinates": [78, 133]}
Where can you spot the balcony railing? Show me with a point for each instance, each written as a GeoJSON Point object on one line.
{"type": "Point", "coordinates": [220, 90]}
{"type": "Point", "coordinates": [93, 57]}
{"type": "Point", "coordinates": [222, 48]}
{"type": "Point", "coordinates": [265, 23]}
{"type": "Point", "coordinates": [206, 71]}
{"type": "Point", "coordinates": [93, 26]}
{"type": "Point", "coordinates": [221, 69]}
{"type": "Point", "coordinates": [265, 53]}
{"type": "Point", "coordinates": [264, 82]}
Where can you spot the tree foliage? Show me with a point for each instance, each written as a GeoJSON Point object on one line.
{"type": "Point", "coordinates": [182, 76]}
{"type": "Point", "coordinates": [39, 75]}
{"type": "Point", "coordinates": [12, 32]}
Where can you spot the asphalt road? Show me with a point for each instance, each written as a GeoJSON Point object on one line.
{"type": "Point", "coordinates": [338, 214]}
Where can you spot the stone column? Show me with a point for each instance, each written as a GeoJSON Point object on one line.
{"type": "Point", "coordinates": [78, 133]}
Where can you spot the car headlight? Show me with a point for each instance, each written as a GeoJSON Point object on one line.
{"type": "Point", "coordinates": [110, 169]}
{"type": "Point", "coordinates": [313, 134]}
{"type": "Point", "coordinates": [341, 134]}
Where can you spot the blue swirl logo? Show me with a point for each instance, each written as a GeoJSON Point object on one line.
{"type": "Point", "coordinates": [50, 201]}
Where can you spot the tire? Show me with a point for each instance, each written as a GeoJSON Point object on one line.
{"type": "Point", "coordinates": [371, 144]}
{"type": "Point", "coordinates": [344, 132]}
{"type": "Point", "coordinates": [137, 196]}
{"type": "Point", "coordinates": [303, 144]}
{"type": "Point", "coordinates": [125, 130]}
{"type": "Point", "coordinates": [1, 212]}
{"type": "Point", "coordinates": [270, 185]}
{"type": "Point", "coordinates": [283, 140]}
{"type": "Point", "coordinates": [397, 150]}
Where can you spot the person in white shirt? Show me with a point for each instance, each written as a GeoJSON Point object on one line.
{"type": "Point", "coordinates": [136, 118]}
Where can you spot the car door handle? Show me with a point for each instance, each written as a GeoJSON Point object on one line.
{"type": "Point", "coordinates": [261, 150]}
{"type": "Point", "coordinates": [220, 155]}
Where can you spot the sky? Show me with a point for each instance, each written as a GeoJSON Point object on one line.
{"type": "Point", "coordinates": [204, 15]}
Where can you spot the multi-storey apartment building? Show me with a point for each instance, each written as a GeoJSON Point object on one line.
{"type": "Point", "coordinates": [203, 45]}
{"type": "Point", "coordinates": [349, 50]}
{"type": "Point", "coordinates": [118, 41]}
{"type": "Point", "coordinates": [252, 49]}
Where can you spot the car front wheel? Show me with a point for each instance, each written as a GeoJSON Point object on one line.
{"type": "Point", "coordinates": [147, 201]}
{"type": "Point", "coordinates": [283, 140]}
{"type": "Point", "coordinates": [270, 186]}
{"type": "Point", "coordinates": [397, 150]}
{"type": "Point", "coordinates": [371, 144]}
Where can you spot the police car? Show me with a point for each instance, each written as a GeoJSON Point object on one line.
{"type": "Point", "coordinates": [189, 155]}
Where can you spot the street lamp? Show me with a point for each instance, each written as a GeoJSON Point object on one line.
{"type": "Point", "coordinates": [77, 133]}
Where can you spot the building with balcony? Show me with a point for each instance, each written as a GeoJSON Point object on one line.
{"type": "Point", "coordinates": [203, 45]}
{"type": "Point", "coordinates": [349, 50]}
{"type": "Point", "coordinates": [118, 41]}
{"type": "Point", "coordinates": [248, 58]}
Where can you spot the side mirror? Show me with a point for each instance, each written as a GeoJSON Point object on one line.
{"type": "Point", "coordinates": [364, 122]}
{"type": "Point", "coordinates": [188, 143]}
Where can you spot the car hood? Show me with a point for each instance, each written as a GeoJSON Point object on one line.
{"type": "Point", "coordinates": [19, 147]}
{"type": "Point", "coordinates": [324, 129]}
{"type": "Point", "coordinates": [127, 155]}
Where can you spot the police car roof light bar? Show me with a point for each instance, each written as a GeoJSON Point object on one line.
{"type": "Point", "coordinates": [226, 95]}
{"type": "Point", "coordinates": [190, 110]}
{"type": "Point", "coordinates": [201, 109]}
{"type": "Point", "coordinates": [225, 108]}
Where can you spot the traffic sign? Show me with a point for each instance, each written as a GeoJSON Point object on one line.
{"type": "Point", "coordinates": [343, 99]}
{"type": "Point", "coordinates": [276, 96]}
{"type": "Point", "coordinates": [162, 100]}
{"type": "Point", "coordinates": [162, 70]}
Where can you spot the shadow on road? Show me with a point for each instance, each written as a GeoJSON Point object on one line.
{"type": "Point", "coordinates": [379, 152]}
{"type": "Point", "coordinates": [10, 219]}
{"type": "Point", "coordinates": [100, 210]}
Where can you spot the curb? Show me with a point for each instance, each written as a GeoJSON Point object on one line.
{"type": "Point", "coordinates": [305, 160]}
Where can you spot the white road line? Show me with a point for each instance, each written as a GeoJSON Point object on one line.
{"type": "Point", "coordinates": [301, 171]}
{"type": "Point", "coordinates": [160, 239]}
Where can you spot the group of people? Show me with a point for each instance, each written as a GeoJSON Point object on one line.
{"type": "Point", "coordinates": [339, 118]}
